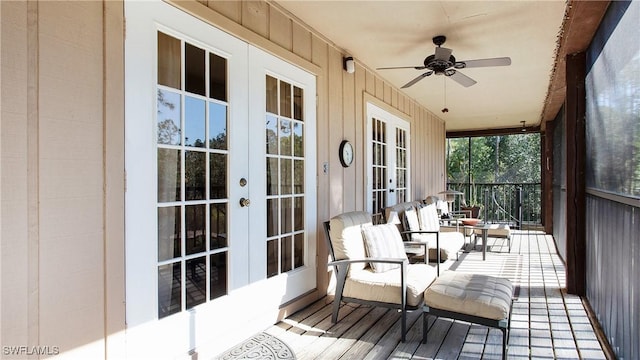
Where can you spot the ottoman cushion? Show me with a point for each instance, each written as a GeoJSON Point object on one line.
{"type": "Point", "coordinates": [472, 294]}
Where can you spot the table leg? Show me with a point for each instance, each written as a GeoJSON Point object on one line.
{"type": "Point", "coordinates": [485, 233]}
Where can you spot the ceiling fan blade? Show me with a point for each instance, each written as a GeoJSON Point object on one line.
{"type": "Point", "coordinates": [443, 53]}
{"type": "Point", "coordinates": [418, 78]}
{"type": "Point", "coordinates": [462, 79]}
{"type": "Point", "coordinates": [421, 67]}
{"type": "Point", "coordinates": [501, 61]}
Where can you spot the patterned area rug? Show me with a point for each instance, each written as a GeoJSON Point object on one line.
{"type": "Point", "coordinates": [259, 346]}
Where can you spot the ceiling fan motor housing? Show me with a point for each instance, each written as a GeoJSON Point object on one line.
{"type": "Point", "coordinates": [439, 66]}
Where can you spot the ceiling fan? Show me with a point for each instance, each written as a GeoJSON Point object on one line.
{"type": "Point", "coordinates": [443, 63]}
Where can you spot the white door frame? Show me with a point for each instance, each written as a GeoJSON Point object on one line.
{"type": "Point", "coordinates": [393, 122]}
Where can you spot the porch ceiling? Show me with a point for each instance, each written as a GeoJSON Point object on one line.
{"type": "Point", "coordinates": [399, 33]}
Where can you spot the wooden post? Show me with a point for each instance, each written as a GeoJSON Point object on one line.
{"type": "Point", "coordinates": [547, 177]}
{"type": "Point", "coordinates": [575, 132]}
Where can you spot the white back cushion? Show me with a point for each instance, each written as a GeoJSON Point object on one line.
{"type": "Point", "coordinates": [383, 241]}
{"type": "Point", "coordinates": [346, 236]}
{"type": "Point", "coordinates": [428, 215]}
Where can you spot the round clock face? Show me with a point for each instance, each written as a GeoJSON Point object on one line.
{"type": "Point", "coordinates": [346, 153]}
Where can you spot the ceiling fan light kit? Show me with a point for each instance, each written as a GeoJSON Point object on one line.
{"type": "Point", "coordinates": [443, 63]}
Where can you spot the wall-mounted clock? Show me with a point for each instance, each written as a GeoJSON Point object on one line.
{"type": "Point", "coordinates": [346, 153]}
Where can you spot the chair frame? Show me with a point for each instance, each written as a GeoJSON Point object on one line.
{"type": "Point", "coordinates": [341, 268]}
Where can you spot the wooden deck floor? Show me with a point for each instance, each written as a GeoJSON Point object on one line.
{"type": "Point", "coordinates": [546, 322]}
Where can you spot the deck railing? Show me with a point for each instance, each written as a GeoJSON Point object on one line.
{"type": "Point", "coordinates": [517, 204]}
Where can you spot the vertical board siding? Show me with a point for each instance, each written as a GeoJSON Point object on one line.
{"type": "Point", "coordinates": [70, 87]}
{"type": "Point", "coordinates": [14, 191]}
{"type": "Point", "coordinates": [255, 17]}
{"type": "Point", "coordinates": [302, 41]}
{"type": "Point", "coordinates": [613, 265]}
{"type": "Point", "coordinates": [280, 29]}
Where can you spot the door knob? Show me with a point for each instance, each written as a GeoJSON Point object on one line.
{"type": "Point", "coordinates": [244, 202]}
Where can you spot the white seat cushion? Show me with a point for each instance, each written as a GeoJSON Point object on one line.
{"type": "Point", "coordinates": [385, 287]}
{"type": "Point", "coordinates": [497, 230]}
{"type": "Point", "coordinates": [472, 294]}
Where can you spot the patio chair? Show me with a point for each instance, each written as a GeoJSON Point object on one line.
{"type": "Point", "coordinates": [422, 225]}
{"type": "Point", "coordinates": [372, 268]}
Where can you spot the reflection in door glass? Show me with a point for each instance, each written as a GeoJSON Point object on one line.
{"type": "Point", "coordinates": [169, 289]}
{"type": "Point", "coordinates": [285, 176]}
{"type": "Point", "coordinates": [194, 122]}
{"type": "Point", "coordinates": [195, 224]}
{"type": "Point", "coordinates": [217, 126]}
{"type": "Point", "coordinates": [169, 68]}
{"type": "Point", "coordinates": [169, 175]}
{"type": "Point", "coordinates": [192, 167]}
{"type": "Point", "coordinates": [169, 233]}
{"type": "Point", "coordinates": [194, 76]}
{"type": "Point", "coordinates": [195, 281]}
{"type": "Point", "coordinates": [168, 117]}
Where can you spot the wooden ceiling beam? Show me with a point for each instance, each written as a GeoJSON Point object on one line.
{"type": "Point", "coordinates": [582, 19]}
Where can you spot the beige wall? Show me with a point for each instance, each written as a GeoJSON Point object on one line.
{"type": "Point", "coordinates": [62, 152]}
{"type": "Point", "coordinates": [61, 250]}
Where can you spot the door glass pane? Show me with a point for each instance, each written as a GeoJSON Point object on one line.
{"type": "Point", "coordinates": [272, 176]}
{"type": "Point", "coordinates": [272, 258]}
{"type": "Point", "coordinates": [272, 217]}
{"type": "Point", "coordinates": [195, 228]}
{"type": "Point", "coordinates": [196, 279]}
{"type": "Point", "coordinates": [285, 137]}
{"type": "Point", "coordinates": [298, 110]}
{"type": "Point", "coordinates": [298, 176]}
{"type": "Point", "coordinates": [286, 215]}
{"type": "Point", "coordinates": [169, 289]}
{"type": "Point", "coordinates": [169, 179]}
{"type": "Point", "coordinates": [298, 213]}
{"type": "Point", "coordinates": [218, 221]}
{"type": "Point", "coordinates": [217, 126]}
{"type": "Point", "coordinates": [272, 94]}
{"type": "Point", "coordinates": [286, 258]}
{"type": "Point", "coordinates": [218, 275]}
{"type": "Point", "coordinates": [194, 122]}
{"type": "Point", "coordinates": [169, 61]}
{"type": "Point", "coordinates": [298, 143]}
{"type": "Point", "coordinates": [168, 117]}
{"type": "Point", "coordinates": [217, 176]}
{"type": "Point", "coordinates": [217, 77]}
{"type": "Point", "coordinates": [195, 175]}
{"type": "Point", "coordinates": [194, 59]}
{"type": "Point", "coordinates": [298, 251]}
{"type": "Point", "coordinates": [169, 232]}
{"type": "Point", "coordinates": [285, 99]}
{"type": "Point", "coordinates": [286, 169]}
{"type": "Point", "coordinates": [272, 134]}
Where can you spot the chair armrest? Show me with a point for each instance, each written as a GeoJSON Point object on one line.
{"type": "Point", "coordinates": [420, 232]}
{"type": "Point", "coordinates": [367, 260]}
{"type": "Point", "coordinates": [422, 244]}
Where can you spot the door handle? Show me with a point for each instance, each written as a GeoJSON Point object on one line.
{"type": "Point", "coordinates": [392, 190]}
{"type": "Point", "coordinates": [244, 202]}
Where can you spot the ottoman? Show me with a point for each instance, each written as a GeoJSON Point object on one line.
{"type": "Point", "coordinates": [480, 299]}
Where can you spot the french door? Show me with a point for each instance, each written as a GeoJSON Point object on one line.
{"type": "Point", "coordinates": [388, 159]}
{"type": "Point", "coordinates": [220, 161]}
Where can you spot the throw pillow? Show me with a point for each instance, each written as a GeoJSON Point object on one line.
{"type": "Point", "coordinates": [383, 241]}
